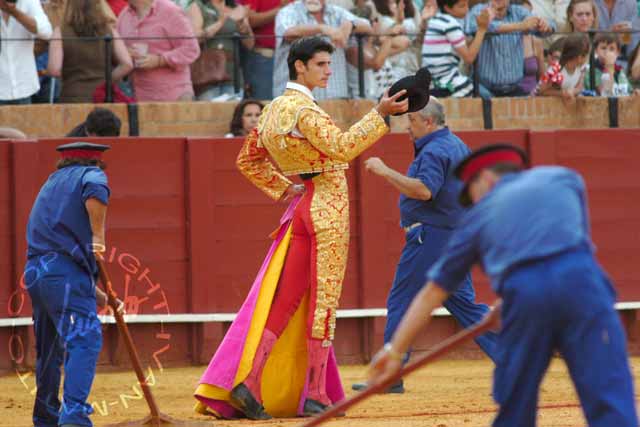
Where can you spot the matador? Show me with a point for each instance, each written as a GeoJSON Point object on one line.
{"type": "Point", "coordinates": [295, 136]}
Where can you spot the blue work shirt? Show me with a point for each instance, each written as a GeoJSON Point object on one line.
{"type": "Point", "coordinates": [526, 216]}
{"type": "Point", "coordinates": [59, 221]}
{"type": "Point", "coordinates": [501, 57]}
{"type": "Point", "coordinates": [438, 153]}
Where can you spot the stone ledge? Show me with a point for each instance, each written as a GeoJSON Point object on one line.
{"type": "Point", "coordinates": [212, 119]}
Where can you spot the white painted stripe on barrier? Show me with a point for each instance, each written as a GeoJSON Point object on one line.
{"type": "Point", "coordinates": [229, 317]}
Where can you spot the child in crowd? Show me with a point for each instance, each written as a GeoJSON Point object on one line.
{"type": "Point", "coordinates": [445, 45]}
{"type": "Point", "coordinates": [553, 54]}
{"type": "Point", "coordinates": [566, 78]}
{"type": "Point", "coordinates": [396, 19]}
{"type": "Point", "coordinates": [376, 50]}
{"type": "Point", "coordinates": [610, 78]}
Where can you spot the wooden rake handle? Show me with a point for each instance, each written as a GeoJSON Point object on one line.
{"type": "Point", "coordinates": [488, 322]}
{"type": "Point", "coordinates": [128, 341]}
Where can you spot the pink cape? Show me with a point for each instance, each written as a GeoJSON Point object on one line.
{"type": "Point", "coordinates": [221, 374]}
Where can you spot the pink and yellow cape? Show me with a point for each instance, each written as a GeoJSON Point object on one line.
{"type": "Point", "coordinates": [284, 375]}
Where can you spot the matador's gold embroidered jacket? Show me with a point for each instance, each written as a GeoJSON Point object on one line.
{"type": "Point", "coordinates": [301, 138]}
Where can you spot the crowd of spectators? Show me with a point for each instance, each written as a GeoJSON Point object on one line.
{"type": "Point", "coordinates": [209, 50]}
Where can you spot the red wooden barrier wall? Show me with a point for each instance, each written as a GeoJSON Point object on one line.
{"type": "Point", "coordinates": [187, 232]}
{"type": "Point", "coordinates": [6, 248]}
{"type": "Point", "coordinates": [607, 159]}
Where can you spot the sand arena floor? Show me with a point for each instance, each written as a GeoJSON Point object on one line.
{"type": "Point", "coordinates": [449, 393]}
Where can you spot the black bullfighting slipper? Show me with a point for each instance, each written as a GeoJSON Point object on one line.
{"type": "Point", "coordinates": [244, 400]}
{"type": "Point", "coordinates": [313, 407]}
{"type": "Point", "coordinates": [397, 388]}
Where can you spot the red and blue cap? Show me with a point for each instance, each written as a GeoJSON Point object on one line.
{"type": "Point", "coordinates": [487, 157]}
{"type": "Point", "coordinates": [82, 150]}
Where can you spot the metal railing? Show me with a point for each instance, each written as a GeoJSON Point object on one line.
{"type": "Point", "coordinates": [236, 54]}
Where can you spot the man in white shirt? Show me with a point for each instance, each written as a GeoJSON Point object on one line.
{"type": "Point", "coordinates": [309, 18]}
{"type": "Point", "coordinates": [24, 20]}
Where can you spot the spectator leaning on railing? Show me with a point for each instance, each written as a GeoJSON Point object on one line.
{"type": "Point", "coordinates": [620, 16]}
{"type": "Point", "coordinates": [259, 60]}
{"type": "Point", "coordinates": [314, 17]}
{"type": "Point", "coordinates": [533, 58]}
{"type": "Point", "coordinates": [77, 51]}
{"type": "Point", "coordinates": [398, 19]}
{"type": "Point", "coordinates": [501, 59]}
{"type": "Point", "coordinates": [162, 44]}
{"type": "Point", "coordinates": [445, 45]}
{"type": "Point", "coordinates": [375, 51]}
{"type": "Point", "coordinates": [18, 76]}
{"type": "Point", "coordinates": [216, 24]}
{"type": "Point", "coordinates": [551, 11]}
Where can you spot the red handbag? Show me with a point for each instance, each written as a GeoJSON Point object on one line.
{"type": "Point", "coordinates": [118, 96]}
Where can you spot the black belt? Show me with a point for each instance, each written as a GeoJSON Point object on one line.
{"type": "Point", "coordinates": [308, 176]}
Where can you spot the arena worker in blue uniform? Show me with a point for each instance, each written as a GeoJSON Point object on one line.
{"type": "Point", "coordinates": [429, 213]}
{"type": "Point", "coordinates": [65, 230]}
{"type": "Point", "coordinates": [530, 232]}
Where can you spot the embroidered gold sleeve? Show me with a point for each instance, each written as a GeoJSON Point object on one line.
{"type": "Point", "coordinates": [325, 136]}
{"type": "Point", "coordinates": [253, 162]}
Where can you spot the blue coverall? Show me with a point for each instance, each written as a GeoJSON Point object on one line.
{"type": "Point", "coordinates": [60, 277]}
{"type": "Point", "coordinates": [433, 222]}
{"type": "Point", "coordinates": [531, 235]}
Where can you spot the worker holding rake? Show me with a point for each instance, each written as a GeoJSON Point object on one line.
{"type": "Point", "coordinates": [530, 231]}
{"type": "Point", "coordinates": [65, 230]}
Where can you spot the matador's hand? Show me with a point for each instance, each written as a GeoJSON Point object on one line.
{"type": "Point", "coordinates": [390, 105]}
{"type": "Point", "coordinates": [292, 191]}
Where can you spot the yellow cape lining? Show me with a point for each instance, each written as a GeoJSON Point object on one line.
{"type": "Point", "coordinates": [284, 374]}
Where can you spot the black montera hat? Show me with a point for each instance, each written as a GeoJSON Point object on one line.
{"type": "Point", "coordinates": [417, 88]}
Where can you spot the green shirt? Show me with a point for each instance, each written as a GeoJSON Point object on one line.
{"type": "Point", "coordinates": [621, 85]}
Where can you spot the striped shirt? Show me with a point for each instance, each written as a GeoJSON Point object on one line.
{"type": "Point", "coordinates": [443, 36]}
{"type": "Point", "coordinates": [501, 57]}
{"type": "Point", "coordinates": [623, 10]}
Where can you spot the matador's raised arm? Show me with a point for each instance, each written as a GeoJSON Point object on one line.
{"type": "Point", "coordinates": [328, 138]}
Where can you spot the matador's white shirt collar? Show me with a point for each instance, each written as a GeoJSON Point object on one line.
{"type": "Point", "coordinates": [300, 88]}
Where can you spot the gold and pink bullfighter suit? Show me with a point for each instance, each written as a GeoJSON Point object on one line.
{"type": "Point", "coordinates": [302, 139]}
{"type": "Point", "coordinates": [296, 293]}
